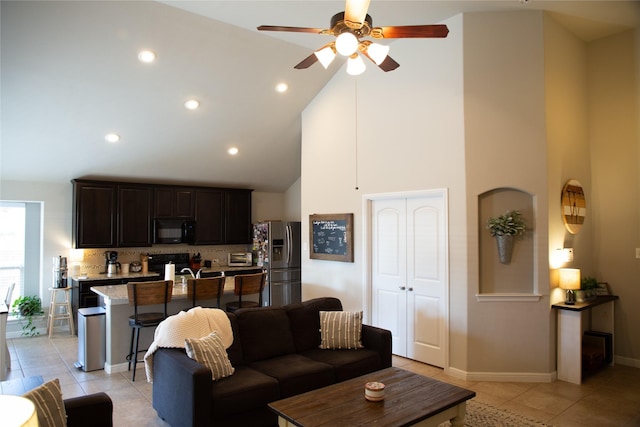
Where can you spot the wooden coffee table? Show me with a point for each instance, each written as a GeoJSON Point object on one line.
{"type": "Point", "coordinates": [410, 400]}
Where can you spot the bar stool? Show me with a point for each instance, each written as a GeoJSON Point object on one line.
{"type": "Point", "coordinates": [205, 289]}
{"type": "Point", "coordinates": [247, 284]}
{"type": "Point", "coordinates": [53, 309]}
{"type": "Point", "coordinates": [141, 294]}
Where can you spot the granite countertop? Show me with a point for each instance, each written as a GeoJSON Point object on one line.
{"type": "Point", "coordinates": [117, 294]}
{"type": "Point", "coordinates": [214, 269]}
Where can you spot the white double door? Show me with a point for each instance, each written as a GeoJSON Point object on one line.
{"type": "Point", "coordinates": [409, 274]}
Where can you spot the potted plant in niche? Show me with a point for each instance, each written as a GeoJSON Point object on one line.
{"type": "Point", "coordinates": [504, 228]}
{"type": "Point", "coordinates": [589, 284]}
{"type": "Point", "coordinates": [27, 307]}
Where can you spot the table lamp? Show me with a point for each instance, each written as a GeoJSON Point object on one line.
{"type": "Point", "coordinates": [570, 281]}
{"type": "Point", "coordinates": [18, 411]}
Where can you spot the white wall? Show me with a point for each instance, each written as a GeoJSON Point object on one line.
{"type": "Point", "coordinates": [614, 136]}
{"type": "Point", "coordinates": [403, 131]}
{"type": "Point", "coordinates": [466, 113]}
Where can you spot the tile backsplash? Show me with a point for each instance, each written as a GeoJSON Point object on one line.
{"type": "Point", "coordinates": [92, 261]}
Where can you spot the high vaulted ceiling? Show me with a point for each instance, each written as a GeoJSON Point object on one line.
{"type": "Point", "coordinates": [70, 75]}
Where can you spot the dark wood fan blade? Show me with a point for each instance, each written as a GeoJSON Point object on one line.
{"type": "Point", "coordinates": [307, 62]}
{"type": "Point", "coordinates": [290, 29]}
{"type": "Point", "coordinates": [387, 65]}
{"type": "Point", "coordinates": [413, 31]}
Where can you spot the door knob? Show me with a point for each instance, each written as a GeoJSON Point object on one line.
{"type": "Point", "coordinates": [410, 289]}
{"type": "Point", "coordinates": [402, 288]}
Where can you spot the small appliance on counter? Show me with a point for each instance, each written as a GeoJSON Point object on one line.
{"type": "Point", "coordinates": [240, 259]}
{"type": "Point", "coordinates": [59, 272]}
{"type": "Point", "coordinates": [111, 266]}
{"type": "Point", "coordinates": [135, 267]}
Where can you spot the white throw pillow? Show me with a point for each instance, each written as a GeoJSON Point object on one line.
{"type": "Point", "coordinates": [340, 330]}
{"type": "Point", "coordinates": [210, 352]}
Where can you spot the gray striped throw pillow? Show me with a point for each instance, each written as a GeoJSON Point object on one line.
{"type": "Point", "coordinates": [340, 329]}
{"type": "Point", "coordinates": [210, 352]}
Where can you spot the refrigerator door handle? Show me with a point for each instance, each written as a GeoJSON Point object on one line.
{"type": "Point", "coordinates": [289, 242]}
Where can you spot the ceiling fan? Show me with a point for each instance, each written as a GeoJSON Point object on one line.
{"type": "Point", "coordinates": [349, 27]}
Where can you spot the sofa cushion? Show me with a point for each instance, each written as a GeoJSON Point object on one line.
{"type": "Point", "coordinates": [245, 390]}
{"type": "Point", "coordinates": [210, 352]}
{"type": "Point", "coordinates": [235, 350]}
{"type": "Point", "coordinates": [305, 321]}
{"type": "Point", "coordinates": [347, 364]}
{"type": "Point", "coordinates": [341, 329]}
{"type": "Point", "coordinates": [296, 374]}
{"type": "Point", "coordinates": [47, 399]}
{"type": "Point", "coordinates": [264, 333]}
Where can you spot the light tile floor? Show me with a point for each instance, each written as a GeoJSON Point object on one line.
{"type": "Point", "coordinates": [609, 398]}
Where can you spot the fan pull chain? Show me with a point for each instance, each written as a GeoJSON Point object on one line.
{"type": "Point", "coordinates": [356, 111]}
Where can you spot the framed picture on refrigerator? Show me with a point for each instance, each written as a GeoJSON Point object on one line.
{"type": "Point", "coordinates": [331, 237]}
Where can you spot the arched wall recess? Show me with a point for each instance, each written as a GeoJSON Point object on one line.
{"type": "Point", "coordinates": [574, 206]}
{"type": "Point", "coordinates": [517, 277]}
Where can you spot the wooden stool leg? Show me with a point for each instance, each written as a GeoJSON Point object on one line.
{"type": "Point", "coordinates": [68, 309]}
{"type": "Point", "coordinates": [52, 307]}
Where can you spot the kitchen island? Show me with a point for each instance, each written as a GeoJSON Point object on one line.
{"type": "Point", "coordinates": [118, 332]}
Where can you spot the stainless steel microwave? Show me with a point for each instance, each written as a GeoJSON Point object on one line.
{"type": "Point", "coordinates": [240, 259]}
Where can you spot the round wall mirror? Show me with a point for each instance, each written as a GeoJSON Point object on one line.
{"type": "Point", "coordinates": [574, 206]}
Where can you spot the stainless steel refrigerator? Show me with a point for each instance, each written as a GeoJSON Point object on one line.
{"type": "Point", "coordinates": [276, 246]}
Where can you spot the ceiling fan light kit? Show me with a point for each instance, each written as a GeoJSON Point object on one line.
{"type": "Point", "coordinates": [355, 65]}
{"type": "Point", "coordinates": [349, 27]}
{"type": "Point", "coordinates": [326, 55]}
{"type": "Point", "coordinates": [346, 44]}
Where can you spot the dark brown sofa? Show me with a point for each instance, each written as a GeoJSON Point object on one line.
{"type": "Point", "coordinates": [275, 355]}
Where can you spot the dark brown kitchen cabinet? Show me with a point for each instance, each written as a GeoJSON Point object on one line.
{"type": "Point", "coordinates": [174, 202]}
{"type": "Point", "coordinates": [237, 216]}
{"type": "Point", "coordinates": [209, 218]}
{"type": "Point", "coordinates": [94, 215]}
{"type": "Point", "coordinates": [120, 214]}
{"type": "Point", "coordinates": [135, 215]}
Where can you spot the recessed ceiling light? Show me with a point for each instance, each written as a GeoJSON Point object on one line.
{"type": "Point", "coordinates": [191, 104]}
{"type": "Point", "coordinates": [282, 87]}
{"type": "Point", "coordinates": [112, 137]}
{"type": "Point", "coordinates": [233, 151]}
{"type": "Point", "coordinates": [147, 56]}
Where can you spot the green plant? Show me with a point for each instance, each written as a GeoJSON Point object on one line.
{"type": "Point", "coordinates": [27, 307]}
{"type": "Point", "coordinates": [509, 224]}
{"type": "Point", "coordinates": [588, 283]}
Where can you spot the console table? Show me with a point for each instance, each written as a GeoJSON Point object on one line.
{"type": "Point", "coordinates": [573, 321]}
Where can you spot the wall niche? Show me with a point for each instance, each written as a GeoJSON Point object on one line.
{"type": "Point", "coordinates": [516, 277]}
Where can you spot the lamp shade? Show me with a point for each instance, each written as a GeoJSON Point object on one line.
{"type": "Point", "coordinates": [569, 278]}
{"type": "Point", "coordinates": [378, 52]}
{"type": "Point", "coordinates": [18, 411]}
{"type": "Point", "coordinates": [355, 65]}
{"type": "Point", "coordinates": [325, 55]}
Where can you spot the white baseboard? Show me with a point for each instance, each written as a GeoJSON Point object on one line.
{"type": "Point", "coordinates": [627, 361]}
{"type": "Point", "coordinates": [113, 369]}
{"type": "Point", "coordinates": [523, 377]}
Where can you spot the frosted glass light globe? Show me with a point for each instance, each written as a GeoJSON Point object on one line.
{"type": "Point", "coordinates": [346, 44]}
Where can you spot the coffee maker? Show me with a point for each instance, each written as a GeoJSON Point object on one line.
{"type": "Point", "coordinates": [111, 264]}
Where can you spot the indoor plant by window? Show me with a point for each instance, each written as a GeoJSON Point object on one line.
{"type": "Point", "coordinates": [504, 228]}
{"type": "Point", "coordinates": [27, 307]}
